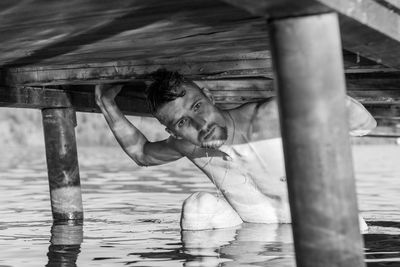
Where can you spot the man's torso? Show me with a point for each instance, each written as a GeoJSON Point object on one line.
{"type": "Point", "coordinates": [250, 172]}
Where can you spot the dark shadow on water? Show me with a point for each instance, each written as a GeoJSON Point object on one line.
{"type": "Point", "coordinates": [381, 248]}
{"type": "Point", "coordinates": [66, 240]}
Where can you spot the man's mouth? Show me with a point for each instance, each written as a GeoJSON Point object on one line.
{"type": "Point", "coordinates": [212, 140]}
{"type": "Point", "coordinates": [209, 133]}
{"type": "Point", "coordinates": [212, 144]}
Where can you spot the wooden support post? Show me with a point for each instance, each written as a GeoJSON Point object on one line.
{"type": "Point", "coordinates": [62, 163]}
{"type": "Point", "coordinates": [66, 240]}
{"type": "Point", "coordinates": [311, 91]}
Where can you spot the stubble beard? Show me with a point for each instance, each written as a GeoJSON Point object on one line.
{"type": "Point", "coordinates": [218, 139]}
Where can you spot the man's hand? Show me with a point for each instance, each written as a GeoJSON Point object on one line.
{"type": "Point", "coordinates": [106, 92]}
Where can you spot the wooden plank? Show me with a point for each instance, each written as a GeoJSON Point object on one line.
{"type": "Point", "coordinates": [373, 81]}
{"type": "Point", "coordinates": [371, 43]}
{"type": "Point", "coordinates": [279, 8]}
{"type": "Point", "coordinates": [368, 27]}
{"type": "Point", "coordinates": [388, 122]}
{"type": "Point", "coordinates": [40, 98]}
{"type": "Point", "coordinates": [383, 135]}
{"type": "Point", "coordinates": [391, 97]}
{"type": "Point", "coordinates": [383, 111]}
{"type": "Point", "coordinates": [124, 71]}
{"type": "Point", "coordinates": [57, 33]}
{"type": "Point", "coordinates": [382, 87]}
{"type": "Point", "coordinates": [237, 86]}
{"type": "Point", "coordinates": [80, 31]}
{"type": "Point", "coordinates": [355, 63]}
{"type": "Point", "coordinates": [382, 90]}
{"type": "Point", "coordinates": [219, 67]}
{"type": "Point", "coordinates": [30, 97]}
{"type": "Point", "coordinates": [376, 97]}
{"type": "Point", "coordinates": [382, 104]}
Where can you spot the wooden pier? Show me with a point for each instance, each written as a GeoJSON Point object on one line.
{"type": "Point", "coordinates": [307, 52]}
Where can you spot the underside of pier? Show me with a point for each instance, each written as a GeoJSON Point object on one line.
{"type": "Point", "coordinates": [53, 53]}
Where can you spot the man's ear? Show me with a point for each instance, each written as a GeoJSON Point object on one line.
{"type": "Point", "coordinates": [208, 94]}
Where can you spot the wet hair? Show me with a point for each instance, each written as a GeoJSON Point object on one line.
{"type": "Point", "coordinates": [165, 88]}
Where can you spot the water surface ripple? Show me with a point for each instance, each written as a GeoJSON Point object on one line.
{"type": "Point", "coordinates": [132, 215]}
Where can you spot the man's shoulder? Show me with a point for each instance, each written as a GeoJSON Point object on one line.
{"type": "Point", "coordinates": [253, 110]}
{"type": "Point", "coordinates": [260, 118]}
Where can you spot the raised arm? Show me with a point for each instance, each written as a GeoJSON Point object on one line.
{"type": "Point", "coordinates": [132, 141]}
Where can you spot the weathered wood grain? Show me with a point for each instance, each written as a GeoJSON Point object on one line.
{"type": "Point", "coordinates": [384, 135]}
{"type": "Point", "coordinates": [41, 98]}
{"type": "Point", "coordinates": [220, 46]}
{"type": "Point", "coordinates": [217, 68]}
{"type": "Point", "coordinates": [41, 33]}
{"type": "Point", "coordinates": [368, 27]}
{"type": "Point", "coordinates": [376, 97]}
{"type": "Point", "coordinates": [381, 104]}
{"type": "Point", "coordinates": [124, 71]}
{"type": "Point", "coordinates": [373, 81]}
{"type": "Point", "coordinates": [369, 89]}
{"type": "Point", "coordinates": [383, 111]}
{"type": "Point", "coordinates": [316, 145]}
{"type": "Point", "coordinates": [62, 163]}
{"type": "Point", "coordinates": [390, 124]}
{"type": "Point", "coordinates": [85, 31]}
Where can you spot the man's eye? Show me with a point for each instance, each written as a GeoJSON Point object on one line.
{"type": "Point", "coordinates": [181, 122]}
{"type": "Point", "coordinates": [197, 106]}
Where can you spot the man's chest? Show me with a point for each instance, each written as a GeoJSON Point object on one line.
{"type": "Point", "coordinates": [263, 158]}
{"type": "Point", "coordinates": [260, 162]}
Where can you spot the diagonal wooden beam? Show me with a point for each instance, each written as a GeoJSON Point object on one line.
{"type": "Point", "coordinates": [370, 28]}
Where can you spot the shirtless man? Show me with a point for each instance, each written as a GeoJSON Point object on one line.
{"type": "Point", "coordinates": [240, 149]}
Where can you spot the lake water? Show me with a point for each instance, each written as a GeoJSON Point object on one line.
{"type": "Point", "coordinates": [132, 215]}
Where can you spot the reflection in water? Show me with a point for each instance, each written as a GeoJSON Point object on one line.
{"type": "Point", "coordinates": [244, 245]}
{"type": "Point", "coordinates": [66, 240]}
{"type": "Point", "coordinates": [248, 244]}
{"type": "Point", "coordinates": [265, 245]}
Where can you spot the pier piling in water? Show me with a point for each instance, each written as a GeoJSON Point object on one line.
{"type": "Point", "coordinates": [65, 243]}
{"type": "Point", "coordinates": [311, 88]}
{"type": "Point", "coordinates": [62, 163]}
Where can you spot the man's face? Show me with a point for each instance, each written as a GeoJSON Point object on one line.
{"type": "Point", "coordinates": [195, 118]}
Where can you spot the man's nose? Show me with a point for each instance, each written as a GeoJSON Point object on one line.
{"type": "Point", "coordinates": [199, 122]}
